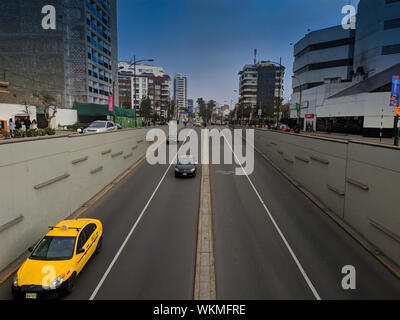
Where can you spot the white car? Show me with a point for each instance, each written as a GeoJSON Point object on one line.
{"type": "Point", "coordinates": [101, 126]}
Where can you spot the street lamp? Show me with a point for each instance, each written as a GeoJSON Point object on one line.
{"type": "Point", "coordinates": [134, 63]}
{"type": "Point", "coordinates": [299, 110]}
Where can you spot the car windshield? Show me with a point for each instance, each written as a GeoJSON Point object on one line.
{"type": "Point", "coordinates": [97, 124]}
{"type": "Point", "coordinates": [185, 160]}
{"type": "Point", "coordinates": [54, 248]}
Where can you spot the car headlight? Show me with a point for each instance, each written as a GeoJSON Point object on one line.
{"type": "Point", "coordinates": [56, 283]}
{"type": "Point", "coordinates": [193, 170]}
{"type": "Point", "coordinates": [15, 281]}
{"type": "Point", "coordinates": [176, 169]}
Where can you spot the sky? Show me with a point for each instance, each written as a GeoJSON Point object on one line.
{"type": "Point", "coordinates": [211, 40]}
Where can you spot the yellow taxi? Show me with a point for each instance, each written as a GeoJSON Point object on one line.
{"type": "Point", "coordinates": [57, 259]}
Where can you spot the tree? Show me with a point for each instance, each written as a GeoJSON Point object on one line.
{"type": "Point", "coordinates": [211, 106]}
{"type": "Point", "coordinates": [170, 109]}
{"type": "Point", "coordinates": [48, 104]}
{"type": "Point", "coordinates": [285, 110]}
{"type": "Point", "coordinates": [127, 101]}
{"type": "Point", "coordinates": [145, 108]}
{"type": "Point", "coordinates": [202, 108]}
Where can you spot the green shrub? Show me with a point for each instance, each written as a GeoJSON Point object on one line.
{"type": "Point", "coordinates": [76, 126]}
{"type": "Point", "coordinates": [50, 131]}
{"type": "Point", "coordinates": [6, 135]}
{"type": "Point", "coordinates": [20, 134]}
{"type": "Point", "coordinates": [32, 133]}
{"type": "Point", "coordinates": [41, 132]}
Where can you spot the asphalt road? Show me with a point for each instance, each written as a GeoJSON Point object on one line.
{"type": "Point", "coordinates": [158, 260]}
{"type": "Point", "coordinates": [300, 256]}
{"type": "Point", "coordinates": [254, 262]}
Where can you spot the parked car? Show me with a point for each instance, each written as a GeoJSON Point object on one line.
{"type": "Point", "coordinates": [119, 127]}
{"type": "Point", "coordinates": [63, 252]}
{"type": "Point", "coordinates": [281, 127]}
{"type": "Point", "coordinates": [101, 126]}
{"type": "Point", "coordinates": [284, 128]}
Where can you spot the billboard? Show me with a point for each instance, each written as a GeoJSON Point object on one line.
{"type": "Point", "coordinates": [394, 97]}
{"type": "Point", "coordinates": [110, 103]}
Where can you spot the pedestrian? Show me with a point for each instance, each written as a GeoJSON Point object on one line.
{"type": "Point", "coordinates": [11, 126]}
{"type": "Point", "coordinates": [18, 125]}
{"type": "Point", "coordinates": [27, 124]}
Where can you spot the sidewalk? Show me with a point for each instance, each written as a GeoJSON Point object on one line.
{"type": "Point", "coordinates": [347, 137]}
{"type": "Point", "coordinates": [58, 133]}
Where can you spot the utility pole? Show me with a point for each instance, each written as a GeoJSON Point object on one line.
{"type": "Point", "coordinates": [298, 109]}
{"type": "Point", "coordinates": [280, 89]}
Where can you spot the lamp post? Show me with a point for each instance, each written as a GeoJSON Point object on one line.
{"type": "Point", "coordinates": [134, 63]}
{"type": "Point", "coordinates": [299, 110]}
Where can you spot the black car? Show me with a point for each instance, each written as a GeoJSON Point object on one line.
{"type": "Point", "coordinates": [185, 167]}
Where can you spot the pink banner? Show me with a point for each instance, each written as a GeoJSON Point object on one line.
{"type": "Point", "coordinates": [110, 103]}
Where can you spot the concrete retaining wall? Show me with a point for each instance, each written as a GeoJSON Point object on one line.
{"type": "Point", "coordinates": [43, 181]}
{"type": "Point", "coordinates": [357, 181]}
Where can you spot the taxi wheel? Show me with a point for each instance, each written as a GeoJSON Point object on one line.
{"type": "Point", "coordinates": [71, 283]}
{"type": "Point", "coordinates": [98, 248]}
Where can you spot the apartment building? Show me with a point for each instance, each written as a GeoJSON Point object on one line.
{"type": "Point", "coordinates": [150, 82]}
{"type": "Point", "coordinates": [261, 86]}
{"type": "Point", "coordinates": [180, 93]}
{"type": "Point", "coordinates": [76, 61]}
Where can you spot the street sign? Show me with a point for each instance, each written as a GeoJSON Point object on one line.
{"type": "Point", "coordinates": [394, 97]}
{"type": "Point", "coordinates": [309, 116]}
{"type": "Point", "coordinates": [259, 112]}
{"type": "Point", "coordinates": [298, 107]}
{"type": "Point", "coordinates": [251, 116]}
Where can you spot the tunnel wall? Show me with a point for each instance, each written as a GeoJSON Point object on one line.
{"type": "Point", "coordinates": [358, 181]}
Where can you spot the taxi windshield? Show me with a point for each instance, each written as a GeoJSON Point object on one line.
{"type": "Point", "coordinates": [54, 248]}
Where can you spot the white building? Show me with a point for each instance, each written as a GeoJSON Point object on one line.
{"type": "Point", "coordinates": [344, 76]}
{"type": "Point", "coordinates": [180, 93]}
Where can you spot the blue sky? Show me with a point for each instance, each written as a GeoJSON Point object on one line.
{"type": "Point", "coordinates": [211, 40]}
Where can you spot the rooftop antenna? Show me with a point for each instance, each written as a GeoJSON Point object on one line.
{"type": "Point", "coordinates": [255, 56]}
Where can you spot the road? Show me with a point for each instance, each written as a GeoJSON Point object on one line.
{"type": "Point", "coordinates": [270, 241]}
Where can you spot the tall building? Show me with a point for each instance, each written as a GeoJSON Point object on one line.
{"type": "Point", "coordinates": [180, 93]}
{"type": "Point", "coordinates": [76, 61]}
{"type": "Point", "coordinates": [261, 86]}
{"type": "Point", "coordinates": [344, 76]}
{"type": "Point", "coordinates": [151, 82]}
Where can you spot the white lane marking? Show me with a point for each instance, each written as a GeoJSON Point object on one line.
{"type": "Point", "coordinates": [306, 278]}
{"type": "Point", "coordinates": [132, 230]}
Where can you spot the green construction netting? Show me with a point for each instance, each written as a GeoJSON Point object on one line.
{"type": "Point", "coordinates": [92, 109]}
